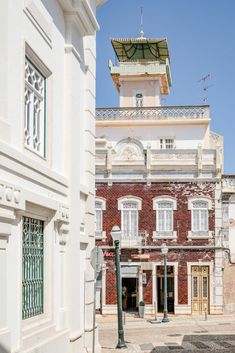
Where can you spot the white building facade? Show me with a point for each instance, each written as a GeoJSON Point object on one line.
{"type": "Point", "coordinates": [47, 108]}
{"type": "Point", "coordinates": [158, 177]}
{"type": "Point", "coordinates": [228, 236]}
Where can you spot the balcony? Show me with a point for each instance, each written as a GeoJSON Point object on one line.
{"type": "Point", "coordinates": [162, 113]}
{"type": "Point", "coordinates": [133, 240]}
{"type": "Point", "coordinates": [228, 184]}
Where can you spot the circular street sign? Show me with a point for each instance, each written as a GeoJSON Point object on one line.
{"type": "Point", "coordinates": [97, 259]}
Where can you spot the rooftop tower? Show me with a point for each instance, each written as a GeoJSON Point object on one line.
{"type": "Point", "coordinates": [142, 75]}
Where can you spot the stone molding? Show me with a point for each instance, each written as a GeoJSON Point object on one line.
{"type": "Point", "coordinates": [11, 196]}
{"type": "Point", "coordinates": [62, 223]}
{"type": "Point", "coordinates": [81, 15]}
{"type": "Point", "coordinates": [130, 198]}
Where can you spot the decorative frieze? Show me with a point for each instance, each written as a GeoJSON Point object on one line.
{"type": "Point", "coordinates": [176, 113]}
{"type": "Point", "coordinates": [11, 196]}
{"type": "Point", "coordinates": [129, 157]}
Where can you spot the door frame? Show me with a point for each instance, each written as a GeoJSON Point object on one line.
{"type": "Point", "coordinates": [154, 283]}
{"type": "Point", "coordinates": [210, 286]}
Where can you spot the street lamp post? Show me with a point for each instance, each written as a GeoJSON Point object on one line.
{"type": "Point", "coordinates": [116, 235]}
{"type": "Point", "coordinates": [164, 251]}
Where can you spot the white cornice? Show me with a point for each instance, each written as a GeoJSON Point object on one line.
{"type": "Point", "coordinates": [80, 13]}
{"type": "Point", "coordinates": [100, 2]}
{"type": "Point", "coordinates": [107, 123]}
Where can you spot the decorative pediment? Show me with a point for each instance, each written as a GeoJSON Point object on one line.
{"type": "Point", "coordinates": [129, 150]}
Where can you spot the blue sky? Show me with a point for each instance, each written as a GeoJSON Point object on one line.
{"type": "Point", "coordinates": [201, 40]}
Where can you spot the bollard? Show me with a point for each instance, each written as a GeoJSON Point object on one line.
{"type": "Point", "coordinates": [205, 314]}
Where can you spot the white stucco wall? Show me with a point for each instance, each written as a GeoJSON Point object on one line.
{"type": "Point", "coordinates": [59, 188]}
{"type": "Point", "coordinates": [231, 216]}
{"type": "Point", "coordinates": [186, 137]}
{"type": "Point", "coordinates": [150, 89]}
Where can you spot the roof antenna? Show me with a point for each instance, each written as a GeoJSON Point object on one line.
{"type": "Point", "coordinates": [205, 87]}
{"type": "Point", "coordinates": [141, 23]}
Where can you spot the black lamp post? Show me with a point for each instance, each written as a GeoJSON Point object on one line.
{"type": "Point", "coordinates": [116, 235]}
{"type": "Point", "coordinates": [164, 251]}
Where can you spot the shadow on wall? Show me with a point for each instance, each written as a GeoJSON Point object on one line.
{"type": "Point", "coordinates": [3, 349]}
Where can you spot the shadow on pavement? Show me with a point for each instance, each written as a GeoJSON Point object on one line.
{"type": "Point", "coordinates": [196, 343]}
{"type": "Point", "coordinates": [3, 350]}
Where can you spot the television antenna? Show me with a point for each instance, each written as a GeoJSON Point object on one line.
{"type": "Point", "coordinates": [205, 87]}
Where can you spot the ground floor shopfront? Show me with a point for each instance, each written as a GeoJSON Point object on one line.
{"type": "Point", "coordinates": [194, 282]}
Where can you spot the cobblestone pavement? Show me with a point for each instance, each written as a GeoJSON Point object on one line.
{"type": "Point", "coordinates": [181, 334]}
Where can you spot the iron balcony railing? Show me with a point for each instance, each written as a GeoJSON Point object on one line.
{"type": "Point", "coordinates": [154, 113]}
{"type": "Point", "coordinates": [228, 183]}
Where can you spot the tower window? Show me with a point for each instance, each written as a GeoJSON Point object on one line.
{"type": "Point", "coordinates": [139, 100]}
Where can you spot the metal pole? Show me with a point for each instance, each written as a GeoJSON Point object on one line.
{"type": "Point", "coordinates": [165, 312]}
{"type": "Point", "coordinates": [155, 311]}
{"type": "Point", "coordinates": [121, 341]}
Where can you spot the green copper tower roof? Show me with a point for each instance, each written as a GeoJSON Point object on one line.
{"type": "Point", "coordinates": [141, 49]}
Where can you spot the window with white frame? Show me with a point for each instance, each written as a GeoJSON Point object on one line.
{"type": "Point", "coordinates": [164, 206]}
{"type": "Point", "coordinates": [164, 216]}
{"type": "Point", "coordinates": [32, 267]}
{"type": "Point", "coordinates": [98, 217]}
{"type": "Point", "coordinates": [199, 216]}
{"type": "Point", "coordinates": [199, 207]}
{"type": "Point", "coordinates": [100, 206]}
{"type": "Point", "coordinates": [35, 112]}
{"type": "Point", "coordinates": [129, 207]}
{"type": "Point", "coordinates": [139, 100]}
{"type": "Point", "coordinates": [129, 218]}
{"type": "Point", "coordinates": [166, 144]}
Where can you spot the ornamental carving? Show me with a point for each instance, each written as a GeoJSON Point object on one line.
{"type": "Point", "coordinates": [11, 196]}
{"type": "Point", "coordinates": [129, 150]}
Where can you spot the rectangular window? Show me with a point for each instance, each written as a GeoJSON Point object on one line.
{"type": "Point", "coordinates": [200, 216]}
{"type": "Point", "coordinates": [35, 112]}
{"type": "Point", "coordinates": [166, 144]}
{"type": "Point", "coordinates": [98, 217]}
{"type": "Point", "coordinates": [32, 267]}
{"type": "Point", "coordinates": [164, 216]}
{"type": "Point", "coordinates": [129, 218]}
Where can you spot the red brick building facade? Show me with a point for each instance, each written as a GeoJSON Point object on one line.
{"type": "Point", "coordinates": [183, 251]}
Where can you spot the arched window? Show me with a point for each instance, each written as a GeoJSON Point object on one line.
{"type": "Point", "coordinates": [199, 216]}
{"type": "Point", "coordinates": [164, 216]}
{"type": "Point", "coordinates": [139, 100]}
{"type": "Point", "coordinates": [129, 207]}
{"type": "Point", "coordinates": [164, 207]}
{"type": "Point", "coordinates": [199, 207]}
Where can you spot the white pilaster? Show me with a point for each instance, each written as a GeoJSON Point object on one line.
{"type": "Point", "coordinates": [140, 284]}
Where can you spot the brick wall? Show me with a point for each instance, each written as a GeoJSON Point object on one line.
{"type": "Point", "coordinates": [179, 256]}
{"type": "Point", "coordinates": [147, 216]}
{"type": "Point", "coordinates": [147, 222]}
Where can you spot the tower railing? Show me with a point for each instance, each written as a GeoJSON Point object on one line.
{"type": "Point", "coordinates": [154, 113]}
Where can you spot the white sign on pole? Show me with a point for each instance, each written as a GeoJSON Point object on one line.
{"type": "Point", "coordinates": [97, 260]}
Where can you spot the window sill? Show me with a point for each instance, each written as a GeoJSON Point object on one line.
{"type": "Point", "coordinates": [35, 152]}
{"type": "Point", "coordinates": [200, 235]}
{"type": "Point", "coordinates": [164, 235]}
{"type": "Point", "coordinates": [100, 236]}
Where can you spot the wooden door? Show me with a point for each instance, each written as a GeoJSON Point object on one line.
{"type": "Point", "coordinates": [200, 289]}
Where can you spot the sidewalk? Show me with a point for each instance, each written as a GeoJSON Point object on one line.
{"type": "Point", "coordinates": [182, 332]}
